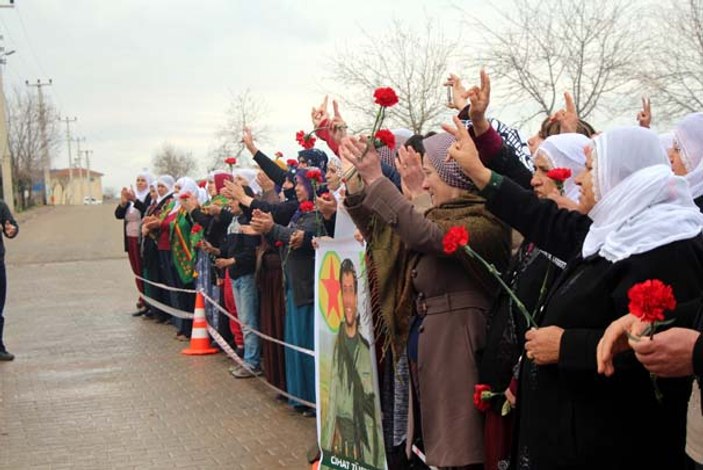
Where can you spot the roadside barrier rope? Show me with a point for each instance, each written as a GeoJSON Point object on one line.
{"type": "Point", "coordinates": [220, 340]}
{"type": "Point", "coordinates": [216, 304]}
{"type": "Point", "coordinates": [257, 333]}
{"type": "Point", "coordinates": [167, 308]}
{"type": "Point", "coordinates": [165, 287]}
{"type": "Point", "coordinates": [233, 355]}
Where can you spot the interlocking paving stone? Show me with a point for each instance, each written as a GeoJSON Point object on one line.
{"type": "Point", "coordinates": [93, 387]}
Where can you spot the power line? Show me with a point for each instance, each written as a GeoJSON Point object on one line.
{"type": "Point", "coordinates": [36, 56]}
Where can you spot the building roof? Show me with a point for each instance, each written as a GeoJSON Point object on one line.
{"type": "Point", "coordinates": [64, 172]}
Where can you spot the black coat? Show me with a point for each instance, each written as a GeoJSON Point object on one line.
{"type": "Point", "coordinates": [121, 212]}
{"type": "Point", "coordinates": [569, 416]}
{"type": "Point", "coordinates": [6, 216]}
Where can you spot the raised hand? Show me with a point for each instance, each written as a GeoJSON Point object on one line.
{"type": "Point", "coordinates": [644, 117]}
{"type": "Point", "coordinates": [319, 114]}
{"type": "Point", "coordinates": [464, 152]}
{"type": "Point", "coordinates": [124, 197]}
{"type": "Point", "coordinates": [480, 97]}
{"type": "Point", "coordinates": [264, 181]}
{"type": "Point", "coordinates": [409, 166]}
{"type": "Point", "coordinates": [233, 190]}
{"type": "Point", "coordinates": [459, 93]}
{"type": "Point", "coordinates": [338, 127]}
{"type": "Point", "coordinates": [261, 222]}
{"type": "Point", "coordinates": [327, 205]}
{"type": "Point", "coordinates": [567, 117]}
{"type": "Point", "coordinates": [362, 154]}
{"type": "Point", "coordinates": [248, 141]}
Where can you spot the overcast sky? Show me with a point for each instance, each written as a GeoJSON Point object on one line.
{"type": "Point", "coordinates": [140, 73]}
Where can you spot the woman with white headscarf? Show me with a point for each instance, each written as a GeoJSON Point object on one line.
{"type": "Point", "coordinates": [179, 225]}
{"type": "Point", "coordinates": [131, 209]}
{"type": "Point", "coordinates": [686, 154]}
{"type": "Point", "coordinates": [530, 275]}
{"type": "Point", "coordinates": [641, 224]}
{"type": "Point", "coordinates": [156, 247]}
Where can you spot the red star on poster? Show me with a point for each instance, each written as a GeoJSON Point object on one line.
{"type": "Point", "coordinates": [332, 287]}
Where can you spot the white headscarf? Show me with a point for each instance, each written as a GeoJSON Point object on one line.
{"type": "Point", "coordinates": [141, 195]}
{"type": "Point", "coordinates": [203, 196]}
{"type": "Point", "coordinates": [168, 181]}
{"type": "Point", "coordinates": [250, 175]}
{"type": "Point", "coordinates": [186, 185]}
{"type": "Point", "coordinates": [566, 151]}
{"type": "Point", "coordinates": [641, 205]}
{"type": "Point", "coordinates": [667, 140]}
{"type": "Point", "coordinates": [688, 135]}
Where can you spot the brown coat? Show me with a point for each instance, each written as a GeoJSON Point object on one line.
{"type": "Point", "coordinates": [453, 305]}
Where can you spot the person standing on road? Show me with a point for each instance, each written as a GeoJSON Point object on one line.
{"type": "Point", "coordinates": [10, 229]}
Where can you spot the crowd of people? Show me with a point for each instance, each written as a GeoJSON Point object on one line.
{"type": "Point", "coordinates": [520, 344]}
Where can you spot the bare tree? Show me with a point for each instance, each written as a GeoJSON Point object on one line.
{"type": "Point", "coordinates": [25, 143]}
{"type": "Point", "coordinates": [673, 73]}
{"type": "Point", "coordinates": [542, 48]}
{"type": "Point", "coordinates": [414, 63]}
{"type": "Point", "coordinates": [173, 161]}
{"type": "Point", "coordinates": [245, 110]}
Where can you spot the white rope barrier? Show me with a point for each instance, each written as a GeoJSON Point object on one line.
{"type": "Point", "coordinates": [220, 340]}
{"type": "Point", "coordinates": [165, 287]}
{"type": "Point", "coordinates": [167, 308]}
{"type": "Point", "coordinates": [257, 333]}
{"type": "Point", "coordinates": [233, 355]}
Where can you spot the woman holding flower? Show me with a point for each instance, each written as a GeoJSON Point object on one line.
{"type": "Point", "coordinates": [440, 315]}
{"type": "Point", "coordinates": [299, 275]}
{"type": "Point", "coordinates": [532, 271]}
{"type": "Point", "coordinates": [641, 224]}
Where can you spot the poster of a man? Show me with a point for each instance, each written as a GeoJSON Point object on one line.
{"type": "Point", "coordinates": [350, 428]}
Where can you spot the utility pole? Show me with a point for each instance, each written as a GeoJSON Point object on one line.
{"type": "Point", "coordinates": [46, 162]}
{"type": "Point", "coordinates": [5, 160]}
{"type": "Point", "coordinates": [80, 168]}
{"type": "Point", "coordinates": [69, 191]}
{"type": "Point", "coordinates": [88, 179]}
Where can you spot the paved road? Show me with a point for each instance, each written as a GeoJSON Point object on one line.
{"type": "Point", "coordinates": [94, 388]}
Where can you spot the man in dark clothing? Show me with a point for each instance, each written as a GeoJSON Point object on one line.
{"type": "Point", "coordinates": [10, 229]}
{"type": "Point", "coordinates": [238, 254]}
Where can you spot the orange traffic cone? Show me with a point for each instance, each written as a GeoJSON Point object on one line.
{"type": "Point", "coordinates": [199, 338]}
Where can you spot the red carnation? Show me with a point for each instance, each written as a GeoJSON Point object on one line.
{"type": "Point", "coordinates": [307, 141]}
{"type": "Point", "coordinates": [314, 175]}
{"type": "Point", "coordinates": [386, 97]}
{"type": "Point", "coordinates": [386, 137]}
{"type": "Point", "coordinates": [307, 206]}
{"type": "Point", "coordinates": [326, 196]}
{"type": "Point", "coordinates": [202, 183]}
{"type": "Point", "coordinates": [279, 154]}
{"type": "Point", "coordinates": [196, 228]}
{"type": "Point", "coordinates": [292, 163]}
{"type": "Point", "coordinates": [231, 161]}
{"type": "Point", "coordinates": [278, 243]}
{"type": "Point", "coordinates": [184, 196]}
{"type": "Point", "coordinates": [649, 300]}
{"type": "Point", "coordinates": [559, 175]}
{"type": "Point", "coordinates": [455, 237]}
{"type": "Point", "coordinates": [482, 396]}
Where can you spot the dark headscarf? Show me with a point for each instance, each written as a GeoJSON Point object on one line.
{"type": "Point", "coordinates": [314, 158]}
{"type": "Point", "coordinates": [436, 148]}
